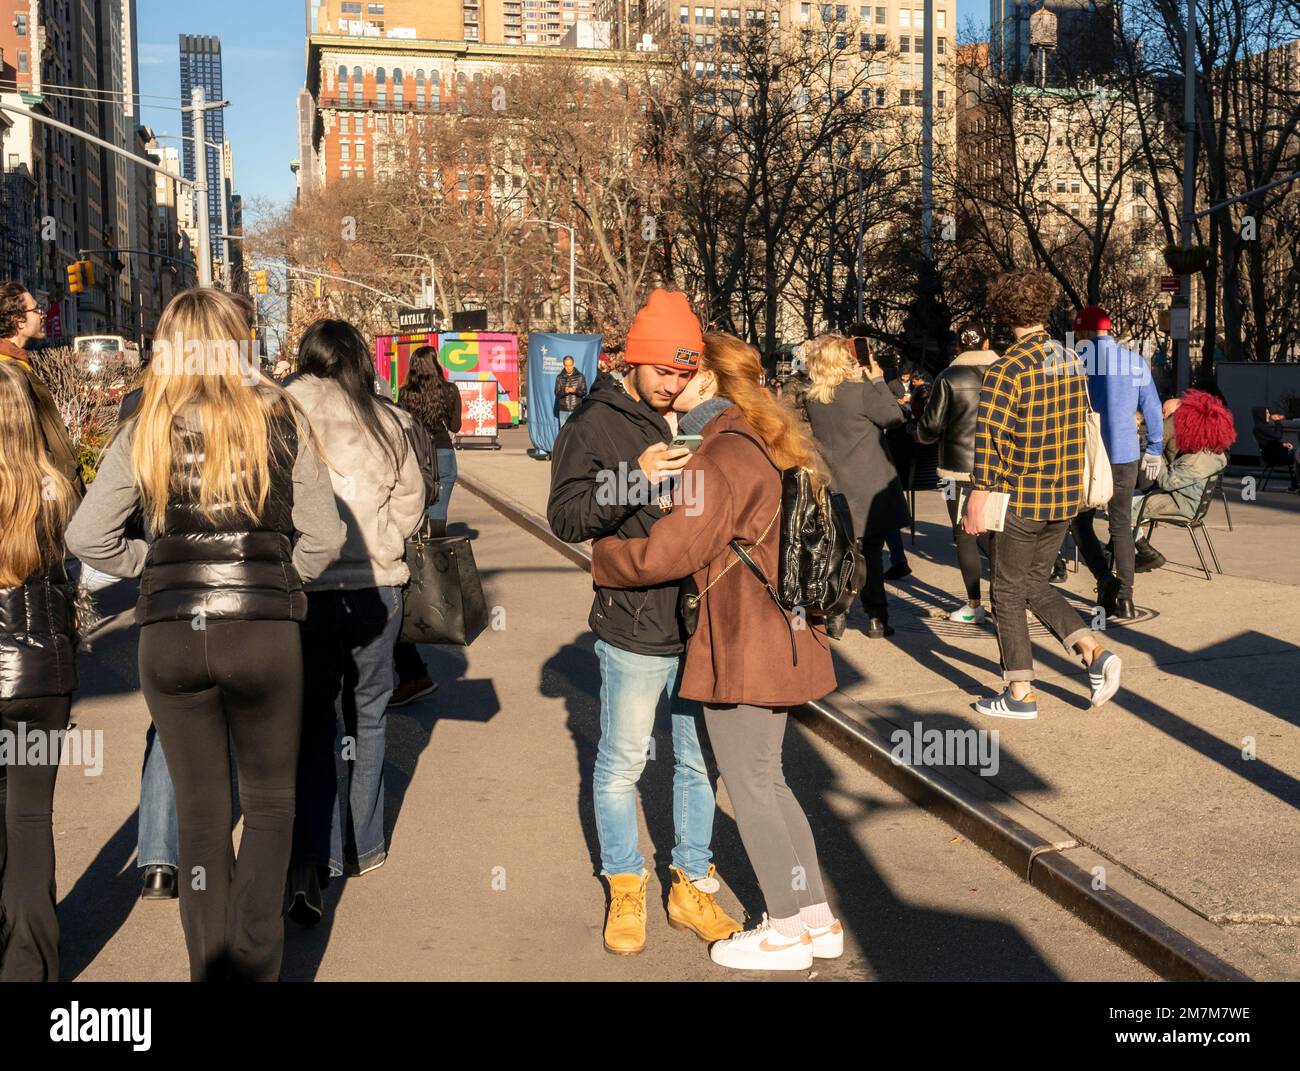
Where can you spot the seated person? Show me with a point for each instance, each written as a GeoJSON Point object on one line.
{"type": "Point", "coordinates": [1274, 450]}
{"type": "Point", "coordinates": [1198, 432]}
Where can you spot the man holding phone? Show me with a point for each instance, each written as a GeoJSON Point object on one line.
{"type": "Point", "coordinates": [626, 431]}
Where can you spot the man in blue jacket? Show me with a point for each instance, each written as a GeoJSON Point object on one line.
{"type": "Point", "coordinates": [1119, 386]}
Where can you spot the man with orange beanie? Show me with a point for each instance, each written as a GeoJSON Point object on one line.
{"type": "Point", "coordinates": [607, 470]}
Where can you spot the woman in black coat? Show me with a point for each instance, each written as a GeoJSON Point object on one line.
{"type": "Point", "coordinates": [38, 675]}
{"type": "Point", "coordinates": [850, 408]}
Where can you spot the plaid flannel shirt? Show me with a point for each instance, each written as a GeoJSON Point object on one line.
{"type": "Point", "coordinates": [1029, 439]}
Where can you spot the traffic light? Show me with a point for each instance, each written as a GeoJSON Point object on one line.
{"type": "Point", "coordinates": [259, 277]}
{"type": "Point", "coordinates": [75, 284]}
{"type": "Point", "coordinates": [88, 272]}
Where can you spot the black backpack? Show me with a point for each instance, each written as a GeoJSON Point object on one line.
{"type": "Point", "coordinates": [820, 567]}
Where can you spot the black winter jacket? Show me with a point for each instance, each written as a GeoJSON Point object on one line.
{"type": "Point", "coordinates": [237, 570]}
{"type": "Point", "coordinates": [591, 496]}
{"type": "Point", "coordinates": [950, 415]}
{"type": "Point", "coordinates": [565, 402]}
{"type": "Point", "coordinates": [38, 637]}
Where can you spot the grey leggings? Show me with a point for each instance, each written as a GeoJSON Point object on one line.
{"type": "Point", "coordinates": [778, 840]}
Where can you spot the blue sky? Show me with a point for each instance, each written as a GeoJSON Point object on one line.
{"type": "Point", "coordinates": [262, 44]}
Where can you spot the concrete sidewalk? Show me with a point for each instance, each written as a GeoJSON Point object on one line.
{"type": "Point", "coordinates": [1188, 780]}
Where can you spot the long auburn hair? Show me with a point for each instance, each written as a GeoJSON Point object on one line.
{"type": "Point", "coordinates": [738, 369]}
{"type": "Point", "coordinates": [205, 369]}
{"type": "Point", "coordinates": [36, 499]}
{"type": "Point", "coordinates": [831, 360]}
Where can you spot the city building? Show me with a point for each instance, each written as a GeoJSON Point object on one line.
{"type": "Point", "coordinates": [200, 58]}
{"type": "Point", "coordinates": [1077, 40]}
{"type": "Point", "coordinates": [485, 22]}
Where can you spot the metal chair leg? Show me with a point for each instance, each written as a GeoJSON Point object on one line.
{"type": "Point", "coordinates": [1210, 543]}
{"type": "Point", "coordinates": [1205, 568]}
{"type": "Point", "coordinates": [1224, 495]}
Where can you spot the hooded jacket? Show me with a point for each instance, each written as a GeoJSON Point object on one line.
{"type": "Point", "coordinates": [597, 489]}
{"type": "Point", "coordinates": [379, 506]}
{"type": "Point", "coordinates": [949, 415]}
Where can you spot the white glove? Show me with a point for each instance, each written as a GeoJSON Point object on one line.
{"type": "Point", "coordinates": [1151, 465]}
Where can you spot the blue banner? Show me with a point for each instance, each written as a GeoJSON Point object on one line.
{"type": "Point", "coordinates": [546, 355]}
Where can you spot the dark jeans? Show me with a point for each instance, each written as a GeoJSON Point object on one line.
{"type": "Point", "coordinates": [1022, 556]}
{"type": "Point", "coordinates": [348, 640]}
{"type": "Point", "coordinates": [969, 547]}
{"type": "Point", "coordinates": [873, 591]}
{"type": "Point", "coordinates": [894, 541]}
{"type": "Point", "coordinates": [29, 939]}
{"type": "Point", "coordinates": [242, 680]}
{"type": "Point", "coordinates": [773, 827]}
{"type": "Point", "coordinates": [1119, 516]}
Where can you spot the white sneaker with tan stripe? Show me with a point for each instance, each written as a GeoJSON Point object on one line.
{"type": "Point", "coordinates": [763, 949]}
{"type": "Point", "coordinates": [827, 941]}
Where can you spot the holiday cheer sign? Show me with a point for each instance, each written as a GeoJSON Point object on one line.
{"type": "Point", "coordinates": [478, 408]}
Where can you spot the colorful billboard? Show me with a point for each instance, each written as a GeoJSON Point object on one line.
{"type": "Point", "coordinates": [466, 355]}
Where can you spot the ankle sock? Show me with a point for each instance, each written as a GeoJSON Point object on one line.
{"type": "Point", "coordinates": [791, 927]}
{"type": "Point", "coordinates": [817, 917]}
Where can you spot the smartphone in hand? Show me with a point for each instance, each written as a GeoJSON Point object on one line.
{"type": "Point", "coordinates": [690, 442]}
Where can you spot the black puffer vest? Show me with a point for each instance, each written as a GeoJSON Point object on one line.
{"type": "Point", "coordinates": [38, 637]}
{"type": "Point", "coordinates": [228, 568]}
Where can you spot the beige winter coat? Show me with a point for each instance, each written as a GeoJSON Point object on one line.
{"type": "Point", "coordinates": [379, 506]}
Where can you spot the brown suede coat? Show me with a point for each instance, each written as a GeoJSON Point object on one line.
{"type": "Point", "coordinates": [740, 652]}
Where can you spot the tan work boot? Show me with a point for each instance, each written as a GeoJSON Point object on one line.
{"type": "Point", "coordinates": [625, 925]}
{"type": "Point", "coordinates": [692, 906]}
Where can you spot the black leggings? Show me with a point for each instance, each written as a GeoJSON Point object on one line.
{"type": "Point", "coordinates": [29, 939]}
{"type": "Point", "coordinates": [243, 678]}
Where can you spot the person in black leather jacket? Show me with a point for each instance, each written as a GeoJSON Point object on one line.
{"type": "Point", "coordinates": [240, 513]}
{"type": "Point", "coordinates": [949, 419]}
{"type": "Point", "coordinates": [38, 674]}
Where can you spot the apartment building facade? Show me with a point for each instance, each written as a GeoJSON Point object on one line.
{"type": "Point", "coordinates": [486, 22]}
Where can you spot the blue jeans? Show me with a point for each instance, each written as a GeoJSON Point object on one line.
{"type": "Point", "coordinates": [446, 481]}
{"type": "Point", "coordinates": [630, 686]}
{"type": "Point", "coordinates": [894, 541]}
{"type": "Point", "coordinates": [563, 415]}
{"type": "Point", "coordinates": [347, 643]}
{"type": "Point", "coordinates": [157, 843]}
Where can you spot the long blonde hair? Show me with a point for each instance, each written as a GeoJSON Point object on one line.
{"type": "Point", "coordinates": [36, 499]}
{"type": "Point", "coordinates": [204, 364]}
{"type": "Point", "coordinates": [738, 369]}
{"type": "Point", "coordinates": [831, 360]}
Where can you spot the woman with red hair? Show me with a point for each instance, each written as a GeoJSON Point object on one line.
{"type": "Point", "coordinates": [1198, 432]}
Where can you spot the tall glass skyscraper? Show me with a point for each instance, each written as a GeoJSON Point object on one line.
{"type": "Point", "coordinates": [201, 66]}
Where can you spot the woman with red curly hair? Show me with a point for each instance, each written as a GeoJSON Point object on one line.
{"type": "Point", "coordinates": [1198, 432]}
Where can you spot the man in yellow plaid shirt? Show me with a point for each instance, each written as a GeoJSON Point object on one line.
{"type": "Point", "coordinates": [1029, 445]}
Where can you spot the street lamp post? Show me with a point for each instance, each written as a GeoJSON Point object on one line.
{"type": "Point", "coordinates": [433, 275]}
{"type": "Point", "coordinates": [224, 236]}
{"type": "Point", "coordinates": [572, 248]}
{"type": "Point", "coordinates": [1182, 346]}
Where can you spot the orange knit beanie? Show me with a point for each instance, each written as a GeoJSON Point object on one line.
{"type": "Point", "coordinates": [665, 332]}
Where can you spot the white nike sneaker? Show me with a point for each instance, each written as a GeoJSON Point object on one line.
{"type": "Point", "coordinates": [968, 615]}
{"type": "Point", "coordinates": [763, 949]}
{"type": "Point", "coordinates": [827, 941]}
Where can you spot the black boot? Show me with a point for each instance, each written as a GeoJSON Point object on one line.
{"type": "Point", "coordinates": [1058, 572]}
{"type": "Point", "coordinates": [159, 883]}
{"type": "Point", "coordinates": [1108, 594]}
{"type": "Point", "coordinates": [878, 628]}
{"type": "Point", "coordinates": [1146, 557]}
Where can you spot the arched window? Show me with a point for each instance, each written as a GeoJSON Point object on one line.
{"type": "Point", "coordinates": [435, 91]}
{"type": "Point", "coordinates": [342, 86]}
{"type": "Point", "coordinates": [398, 86]}
{"type": "Point", "coordinates": [419, 88]}
{"type": "Point", "coordinates": [358, 86]}
{"type": "Point", "coordinates": [462, 90]}
{"type": "Point", "coordinates": [381, 86]}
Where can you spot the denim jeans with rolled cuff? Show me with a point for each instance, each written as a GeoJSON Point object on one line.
{"type": "Point", "coordinates": [630, 687]}
{"type": "Point", "coordinates": [1022, 557]}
